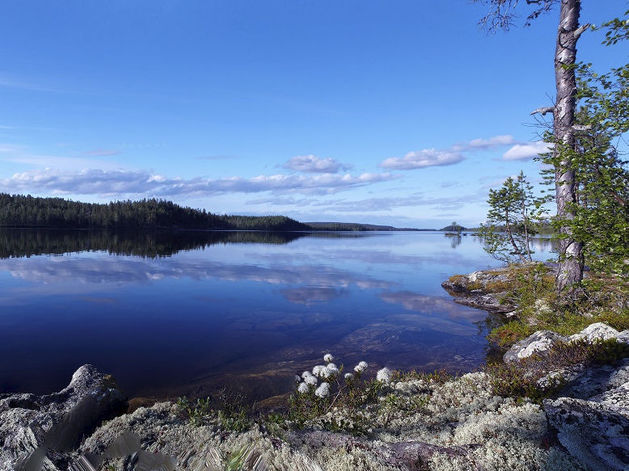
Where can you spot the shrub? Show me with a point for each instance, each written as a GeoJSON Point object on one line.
{"type": "Point", "coordinates": [230, 410]}
{"type": "Point", "coordinates": [522, 378]}
{"type": "Point", "coordinates": [327, 388]}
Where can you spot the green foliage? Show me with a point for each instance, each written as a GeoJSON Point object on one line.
{"type": "Point", "coordinates": [530, 287]}
{"type": "Point", "coordinates": [336, 402]}
{"type": "Point", "coordinates": [616, 30]}
{"type": "Point", "coordinates": [515, 214]}
{"type": "Point", "coordinates": [522, 378]}
{"type": "Point", "coordinates": [507, 334]}
{"type": "Point", "coordinates": [27, 211]}
{"type": "Point", "coordinates": [393, 405]}
{"type": "Point", "coordinates": [198, 412]}
{"type": "Point", "coordinates": [244, 458]}
{"type": "Point", "coordinates": [601, 213]}
{"type": "Point", "coordinates": [511, 380]}
{"type": "Point", "coordinates": [230, 410]}
{"type": "Point", "coordinates": [440, 376]}
{"type": "Point", "coordinates": [562, 322]}
{"type": "Point", "coordinates": [531, 283]}
{"type": "Point", "coordinates": [351, 396]}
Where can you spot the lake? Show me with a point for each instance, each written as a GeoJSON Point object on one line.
{"type": "Point", "coordinates": [187, 313]}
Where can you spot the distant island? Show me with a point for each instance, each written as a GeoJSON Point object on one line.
{"type": "Point", "coordinates": [25, 211]}
{"type": "Point", "coordinates": [454, 227]}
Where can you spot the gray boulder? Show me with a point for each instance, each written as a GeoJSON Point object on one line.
{"type": "Point", "coordinates": [36, 432]}
{"type": "Point", "coordinates": [585, 383]}
{"type": "Point", "coordinates": [596, 430]}
{"type": "Point", "coordinates": [473, 290]}
{"type": "Point", "coordinates": [596, 331]}
{"type": "Point", "coordinates": [537, 342]}
{"type": "Point", "coordinates": [623, 336]}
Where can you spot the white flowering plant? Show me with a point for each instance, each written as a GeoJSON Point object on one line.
{"type": "Point", "coordinates": [327, 387]}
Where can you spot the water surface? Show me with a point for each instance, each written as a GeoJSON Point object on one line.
{"type": "Point", "coordinates": [185, 313]}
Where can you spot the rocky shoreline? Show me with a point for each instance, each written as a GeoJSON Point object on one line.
{"type": "Point", "coordinates": [418, 423]}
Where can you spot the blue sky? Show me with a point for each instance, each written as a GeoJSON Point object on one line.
{"type": "Point", "coordinates": [400, 112]}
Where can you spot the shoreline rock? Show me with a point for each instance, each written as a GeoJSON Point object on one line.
{"type": "Point", "coordinates": [484, 290]}
{"type": "Point", "coordinates": [594, 430]}
{"type": "Point", "coordinates": [538, 342]}
{"type": "Point", "coordinates": [461, 425]}
{"type": "Point", "coordinates": [36, 431]}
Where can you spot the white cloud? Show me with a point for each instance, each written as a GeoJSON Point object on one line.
{"type": "Point", "coordinates": [313, 164]}
{"type": "Point", "coordinates": [130, 182]}
{"type": "Point", "coordinates": [432, 157]}
{"type": "Point", "coordinates": [422, 159]}
{"type": "Point", "coordinates": [374, 205]}
{"type": "Point", "coordinates": [526, 151]}
{"type": "Point", "coordinates": [495, 141]}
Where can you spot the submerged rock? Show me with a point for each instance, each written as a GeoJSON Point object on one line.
{"type": "Point", "coordinates": [37, 431]}
{"type": "Point", "coordinates": [538, 342]}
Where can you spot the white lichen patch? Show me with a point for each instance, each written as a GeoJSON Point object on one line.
{"type": "Point", "coordinates": [496, 433]}
{"type": "Point", "coordinates": [526, 421]}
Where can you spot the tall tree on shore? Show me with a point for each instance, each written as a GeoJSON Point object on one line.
{"type": "Point", "coordinates": [564, 111]}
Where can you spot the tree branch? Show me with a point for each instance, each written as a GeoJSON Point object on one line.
{"type": "Point", "coordinates": [580, 30]}
{"type": "Point", "coordinates": [544, 110]}
{"type": "Point", "coordinates": [582, 127]}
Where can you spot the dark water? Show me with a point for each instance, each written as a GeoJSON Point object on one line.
{"type": "Point", "coordinates": [185, 313]}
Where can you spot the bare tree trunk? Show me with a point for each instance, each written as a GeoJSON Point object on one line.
{"type": "Point", "coordinates": [571, 251]}
{"type": "Point", "coordinates": [527, 239]}
{"type": "Point", "coordinates": [516, 249]}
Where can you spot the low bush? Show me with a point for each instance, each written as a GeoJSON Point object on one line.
{"type": "Point", "coordinates": [542, 375]}
{"type": "Point", "coordinates": [230, 410]}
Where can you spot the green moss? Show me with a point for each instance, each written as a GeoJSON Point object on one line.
{"type": "Point", "coordinates": [435, 377]}
{"type": "Point", "coordinates": [510, 333]}
{"type": "Point", "coordinates": [564, 323]}
{"type": "Point", "coordinates": [498, 286]}
{"type": "Point", "coordinates": [457, 279]}
{"type": "Point", "coordinates": [230, 410]}
{"type": "Point", "coordinates": [531, 288]}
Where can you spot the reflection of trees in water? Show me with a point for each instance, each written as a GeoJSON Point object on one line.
{"type": "Point", "coordinates": [455, 239]}
{"type": "Point", "coordinates": [544, 244]}
{"type": "Point", "coordinates": [29, 242]}
{"type": "Point", "coordinates": [26, 242]}
{"type": "Point", "coordinates": [539, 244]}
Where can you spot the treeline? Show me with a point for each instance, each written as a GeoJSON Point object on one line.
{"type": "Point", "coordinates": [354, 226]}
{"type": "Point", "coordinates": [29, 211]}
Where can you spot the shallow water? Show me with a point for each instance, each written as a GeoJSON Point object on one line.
{"type": "Point", "coordinates": [170, 314]}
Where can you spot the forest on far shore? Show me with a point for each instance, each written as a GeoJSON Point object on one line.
{"type": "Point", "coordinates": [30, 211]}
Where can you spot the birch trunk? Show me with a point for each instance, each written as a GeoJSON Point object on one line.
{"type": "Point", "coordinates": [571, 251]}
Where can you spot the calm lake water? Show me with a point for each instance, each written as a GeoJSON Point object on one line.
{"type": "Point", "coordinates": [170, 314]}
